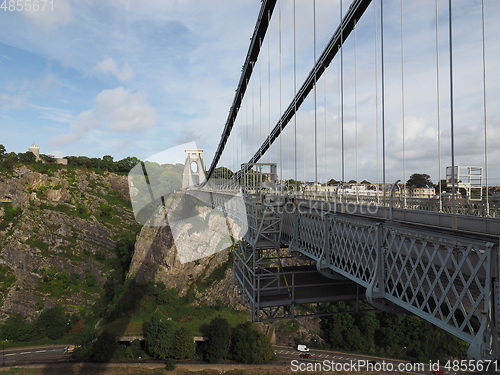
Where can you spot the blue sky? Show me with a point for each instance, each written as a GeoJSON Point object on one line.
{"type": "Point", "coordinates": [95, 78]}
{"type": "Point", "coordinates": [115, 77]}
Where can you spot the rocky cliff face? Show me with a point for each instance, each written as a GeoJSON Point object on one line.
{"type": "Point", "coordinates": [58, 241]}
{"type": "Point", "coordinates": [57, 237]}
{"type": "Point", "coordinates": [210, 278]}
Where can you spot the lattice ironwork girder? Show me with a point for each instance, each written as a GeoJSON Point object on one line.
{"type": "Point", "coordinates": [445, 279]}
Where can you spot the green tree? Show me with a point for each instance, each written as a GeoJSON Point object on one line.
{"type": "Point", "coordinates": [48, 158]}
{"type": "Point", "coordinates": [125, 248]}
{"type": "Point", "coordinates": [293, 185]}
{"type": "Point", "coordinates": [444, 186]}
{"type": "Point", "coordinates": [16, 328]}
{"type": "Point", "coordinates": [222, 172]}
{"type": "Point", "coordinates": [8, 160]}
{"type": "Point", "coordinates": [159, 337]}
{"type": "Point", "coordinates": [170, 365]}
{"type": "Point", "coordinates": [368, 325]}
{"type": "Point", "coordinates": [52, 323]}
{"type": "Point", "coordinates": [250, 346]}
{"type": "Point", "coordinates": [218, 332]}
{"type": "Point", "coordinates": [184, 347]}
{"type": "Point", "coordinates": [90, 279]}
{"type": "Point", "coordinates": [3, 152]}
{"type": "Point", "coordinates": [332, 182]}
{"type": "Point", "coordinates": [104, 347]}
{"type": "Point", "coordinates": [27, 157]}
{"type": "Point", "coordinates": [419, 180]}
{"type": "Point", "coordinates": [85, 341]}
{"type": "Point", "coordinates": [125, 165]}
{"type": "Point", "coordinates": [343, 331]}
{"type": "Point", "coordinates": [108, 163]}
{"type": "Point", "coordinates": [108, 159]}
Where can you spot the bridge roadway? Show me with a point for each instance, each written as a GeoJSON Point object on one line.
{"type": "Point", "coordinates": [441, 267]}
{"type": "Point", "coordinates": [36, 354]}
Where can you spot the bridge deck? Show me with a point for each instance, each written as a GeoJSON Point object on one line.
{"type": "Point", "coordinates": [297, 285]}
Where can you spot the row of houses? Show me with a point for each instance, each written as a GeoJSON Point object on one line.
{"type": "Point", "coordinates": [372, 190]}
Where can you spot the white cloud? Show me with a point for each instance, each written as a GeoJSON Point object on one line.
{"type": "Point", "coordinates": [125, 111]}
{"type": "Point", "coordinates": [83, 123]}
{"type": "Point", "coordinates": [50, 14]}
{"type": "Point", "coordinates": [118, 110]}
{"type": "Point", "coordinates": [186, 57]}
{"type": "Point", "coordinates": [109, 66]}
{"type": "Point", "coordinates": [15, 101]}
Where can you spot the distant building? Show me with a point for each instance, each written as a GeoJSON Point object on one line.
{"type": "Point", "coordinates": [427, 192]}
{"type": "Point", "coordinates": [35, 149]}
{"type": "Point", "coordinates": [468, 178]}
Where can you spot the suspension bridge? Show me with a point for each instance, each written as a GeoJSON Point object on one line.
{"type": "Point", "coordinates": [395, 88]}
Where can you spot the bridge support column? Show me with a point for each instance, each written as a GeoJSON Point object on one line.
{"type": "Point", "coordinates": [375, 293]}
{"type": "Point", "coordinates": [486, 344]}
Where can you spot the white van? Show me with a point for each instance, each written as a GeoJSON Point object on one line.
{"type": "Point", "coordinates": [302, 348]}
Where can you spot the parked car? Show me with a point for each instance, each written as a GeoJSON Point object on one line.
{"type": "Point", "coordinates": [305, 356]}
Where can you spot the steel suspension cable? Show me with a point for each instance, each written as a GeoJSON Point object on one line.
{"type": "Point", "coordinates": [383, 95]}
{"type": "Point", "coordinates": [304, 126]}
{"type": "Point", "coordinates": [246, 128]}
{"type": "Point", "coordinates": [484, 111]}
{"type": "Point", "coordinates": [295, 92]}
{"type": "Point", "coordinates": [340, 121]}
{"type": "Point", "coordinates": [355, 11]}
{"type": "Point", "coordinates": [342, 90]}
{"type": "Point", "coordinates": [252, 54]}
{"type": "Point", "coordinates": [326, 173]}
{"type": "Point", "coordinates": [253, 113]}
{"type": "Point", "coordinates": [240, 145]}
{"type": "Point", "coordinates": [315, 107]}
{"type": "Point", "coordinates": [260, 98]}
{"type": "Point", "coordinates": [356, 110]}
{"type": "Point", "coordinates": [403, 104]}
{"type": "Point", "coordinates": [438, 109]}
{"type": "Point", "coordinates": [269, 84]}
{"type": "Point", "coordinates": [376, 103]}
{"type": "Point", "coordinates": [453, 207]}
{"type": "Point", "coordinates": [281, 128]}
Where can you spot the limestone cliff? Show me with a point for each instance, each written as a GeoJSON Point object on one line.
{"type": "Point", "coordinates": [210, 278]}
{"type": "Point", "coordinates": [57, 236]}
{"type": "Point", "coordinates": [58, 244]}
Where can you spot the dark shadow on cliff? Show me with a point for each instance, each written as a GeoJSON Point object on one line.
{"type": "Point", "coordinates": [104, 347]}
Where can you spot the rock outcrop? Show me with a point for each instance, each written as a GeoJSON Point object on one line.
{"type": "Point", "coordinates": [59, 228]}
{"type": "Point", "coordinates": [62, 226]}
{"type": "Point", "coordinates": [156, 258]}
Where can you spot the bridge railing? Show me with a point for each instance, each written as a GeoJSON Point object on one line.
{"type": "Point", "coordinates": [447, 280]}
{"type": "Point", "coordinates": [463, 206]}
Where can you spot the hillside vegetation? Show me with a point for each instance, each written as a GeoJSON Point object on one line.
{"type": "Point", "coordinates": [67, 241]}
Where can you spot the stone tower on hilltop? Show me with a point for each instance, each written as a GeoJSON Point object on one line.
{"type": "Point", "coordinates": [35, 150]}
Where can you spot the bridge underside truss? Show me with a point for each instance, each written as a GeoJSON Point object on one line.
{"type": "Point", "coordinates": [450, 280]}
{"type": "Point", "coordinates": [272, 282]}
{"type": "Point", "coordinates": [427, 263]}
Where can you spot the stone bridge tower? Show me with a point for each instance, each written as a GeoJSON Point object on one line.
{"type": "Point", "coordinates": [194, 170]}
